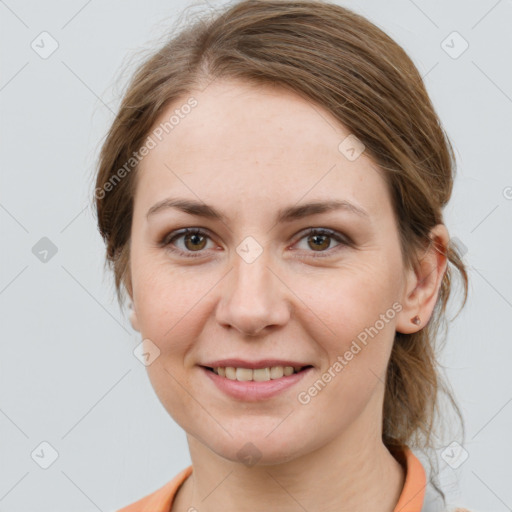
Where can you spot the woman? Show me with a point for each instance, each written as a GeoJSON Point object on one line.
{"type": "Point", "coordinates": [271, 195]}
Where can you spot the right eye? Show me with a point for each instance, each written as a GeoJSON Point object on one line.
{"type": "Point", "coordinates": [194, 241]}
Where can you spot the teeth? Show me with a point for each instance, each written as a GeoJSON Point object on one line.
{"type": "Point", "coordinates": [259, 375]}
{"type": "Point", "coordinates": [288, 370]}
{"type": "Point", "coordinates": [231, 373]}
{"type": "Point", "coordinates": [276, 372]}
{"type": "Point", "coordinates": [243, 374]}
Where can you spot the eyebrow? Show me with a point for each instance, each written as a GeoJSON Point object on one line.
{"type": "Point", "coordinates": [284, 215]}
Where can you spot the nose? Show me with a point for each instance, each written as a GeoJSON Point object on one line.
{"type": "Point", "coordinates": [253, 298]}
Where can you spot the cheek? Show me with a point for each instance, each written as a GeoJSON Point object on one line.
{"type": "Point", "coordinates": [354, 326]}
{"type": "Point", "coordinates": [352, 297]}
{"type": "Point", "coordinates": [170, 302]}
{"type": "Point", "coordinates": [354, 323]}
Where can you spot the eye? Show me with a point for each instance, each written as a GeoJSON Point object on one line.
{"type": "Point", "coordinates": [194, 241]}
{"type": "Point", "coordinates": [319, 240]}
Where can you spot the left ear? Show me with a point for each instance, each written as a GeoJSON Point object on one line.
{"type": "Point", "coordinates": [423, 283]}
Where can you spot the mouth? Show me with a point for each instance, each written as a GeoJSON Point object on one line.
{"type": "Point", "coordinates": [255, 384]}
{"type": "Point", "coordinates": [256, 375]}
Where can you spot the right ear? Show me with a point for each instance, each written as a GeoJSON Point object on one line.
{"type": "Point", "coordinates": [127, 281]}
{"type": "Point", "coordinates": [133, 318]}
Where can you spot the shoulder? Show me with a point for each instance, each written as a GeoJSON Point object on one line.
{"type": "Point", "coordinates": [161, 499]}
{"type": "Point", "coordinates": [418, 494]}
{"type": "Point", "coordinates": [434, 503]}
{"type": "Point", "coordinates": [437, 506]}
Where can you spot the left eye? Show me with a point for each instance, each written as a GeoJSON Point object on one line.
{"type": "Point", "coordinates": [319, 239]}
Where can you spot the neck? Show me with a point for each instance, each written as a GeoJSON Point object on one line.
{"type": "Point", "coordinates": [342, 475]}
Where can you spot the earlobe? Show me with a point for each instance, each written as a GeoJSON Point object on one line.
{"type": "Point", "coordinates": [423, 284]}
{"type": "Point", "coordinates": [133, 319]}
{"type": "Point", "coordinates": [409, 320]}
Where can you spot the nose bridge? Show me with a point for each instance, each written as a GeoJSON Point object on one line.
{"type": "Point", "coordinates": [253, 297]}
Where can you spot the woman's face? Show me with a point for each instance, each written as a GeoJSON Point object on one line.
{"type": "Point", "coordinates": [254, 284]}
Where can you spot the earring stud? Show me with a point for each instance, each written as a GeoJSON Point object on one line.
{"type": "Point", "coordinates": [416, 320]}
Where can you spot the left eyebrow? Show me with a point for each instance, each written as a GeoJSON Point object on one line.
{"type": "Point", "coordinates": [288, 214]}
{"type": "Point", "coordinates": [292, 213]}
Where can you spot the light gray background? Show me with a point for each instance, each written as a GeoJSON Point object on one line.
{"type": "Point", "coordinates": [67, 372]}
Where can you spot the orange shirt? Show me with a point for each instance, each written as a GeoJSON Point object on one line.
{"type": "Point", "coordinates": [411, 498]}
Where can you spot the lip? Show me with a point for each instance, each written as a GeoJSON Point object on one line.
{"type": "Point", "coordinates": [253, 365]}
{"type": "Point", "coordinates": [254, 391]}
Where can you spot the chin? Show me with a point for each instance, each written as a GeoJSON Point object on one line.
{"type": "Point", "coordinates": [257, 451]}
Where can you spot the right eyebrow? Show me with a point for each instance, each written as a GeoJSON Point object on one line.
{"type": "Point", "coordinates": [188, 206]}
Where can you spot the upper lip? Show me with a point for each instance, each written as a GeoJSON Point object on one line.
{"type": "Point", "coordinates": [262, 363]}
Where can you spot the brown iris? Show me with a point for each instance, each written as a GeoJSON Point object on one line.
{"type": "Point", "coordinates": [195, 238]}
{"type": "Point", "coordinates": [324, 245]}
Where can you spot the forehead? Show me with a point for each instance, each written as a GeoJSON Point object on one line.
{"type": "Point", "coordinates": [243, 143]}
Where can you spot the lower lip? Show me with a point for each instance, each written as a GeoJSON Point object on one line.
{"type": "Point", "coordinates": [255, 390]}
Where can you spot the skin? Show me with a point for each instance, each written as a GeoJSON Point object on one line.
{"type": "Point", "coordinates": [248, 152]}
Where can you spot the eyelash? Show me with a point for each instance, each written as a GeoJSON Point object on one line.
{"type": "Point", "coordinates": [168, 240]}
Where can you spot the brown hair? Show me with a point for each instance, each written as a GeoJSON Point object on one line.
{"type": "Point", "coordinates": [341, 61]}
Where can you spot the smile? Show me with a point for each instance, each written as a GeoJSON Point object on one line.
{"type": "Point", "coordinates": [256, 375]}
{"type": "Point", "coordinates": [243, 384]}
